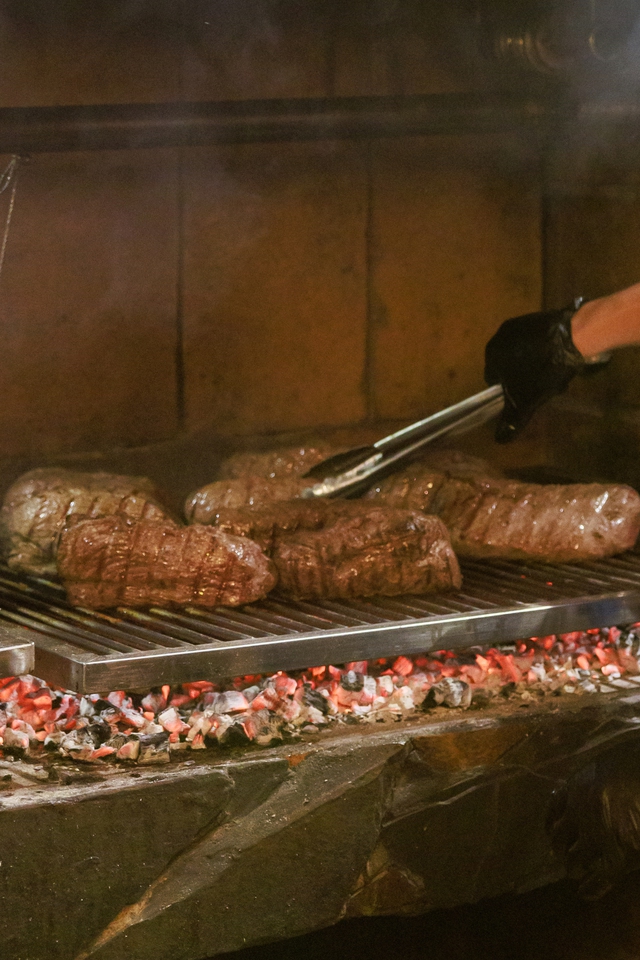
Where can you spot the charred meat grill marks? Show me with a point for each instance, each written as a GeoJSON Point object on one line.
{"type": "Point", "coordinates": [266, 522]}
{"type": "Point", "coordinates": [203, 505]}
{"type": "Point", "coordinates": [39, 503]}
{"type": "Point", "coordinates": [112, 561]}
{"type": "Point", "coordinates": [348, 549]}
{"type": "Point", "coordinates": [520, 521]}
{"type": "Point", "coordinates": [383, 552]}
{"type": "Point", "coordinates": [280, 463]}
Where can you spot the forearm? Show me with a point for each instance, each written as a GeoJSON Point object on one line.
{"type": "Point", "coordinates": [609, 322]}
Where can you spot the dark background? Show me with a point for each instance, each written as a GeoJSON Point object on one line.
{"type": "Point", "coordinates": [547, 924]}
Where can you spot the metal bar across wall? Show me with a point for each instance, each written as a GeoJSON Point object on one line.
{"type": "Point", "coordinates": [122, 126]}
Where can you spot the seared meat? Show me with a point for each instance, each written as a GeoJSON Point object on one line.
{"type": "Point", "coordinates": [338, 548]}
{"type": "Point", "coordinates": [282, 462]}
{"type": "Point", "coordinates": [506, 518]}
{"type": "Point", "coordinates": [284, 482]}
{"type": "Point", "coordinates": [205, 503]}
{"type": "Point", "coordinates": [380, 552]}
{"type": "Point", "coordinates": [39, 503]}
{"type": "Point", "coordinates": [266, 522]}
{"type": "Point", "coordinates": [456, 463]}
{"type": "Point", "coordinates": [113, 561]}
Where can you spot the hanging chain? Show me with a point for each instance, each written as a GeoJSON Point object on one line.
{"type": "Point", "coordinates": [9, 177]}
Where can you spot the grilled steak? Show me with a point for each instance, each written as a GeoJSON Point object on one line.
{"type": "Point", "coordinates": [264, 523]}
{"type": "Point", "coordinates": [507, 518]}
{"type": "Point", "coordinates": [456, 463]}
{"type": "Point", "coordinates": [259, 489]}
{"type": "Point", "coordinates": [377, 552]}
{"type": "Point", "coordinates": [205, 503]}
{"type": "Point", "coordinates": [113, 561]}
{"type": "Point", "coordinates": [339, 548]}
{"type": "Point", "coordinates": [279, 463]}
{"type": "Point", "coordinates": [39, 503]}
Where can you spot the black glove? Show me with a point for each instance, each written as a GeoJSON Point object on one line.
{"type": "Point", "coordinates": [534, 358]}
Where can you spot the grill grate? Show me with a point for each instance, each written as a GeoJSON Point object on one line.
{"type": "Point", "coordinates": [500, 601]}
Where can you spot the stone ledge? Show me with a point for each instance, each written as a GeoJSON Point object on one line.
{"type": "Point", "coordinates": [211, 855]}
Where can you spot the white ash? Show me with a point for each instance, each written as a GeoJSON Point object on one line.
{"type": "Point", "coordinates": [171, 721]}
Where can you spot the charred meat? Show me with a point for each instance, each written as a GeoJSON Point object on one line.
{"type": "Point", "coordinates": [381, 552]}
{"type": "Point", "coordinates": [344, 549]}
{"type": "Point", "coordinates": [113, 561]}
{"type": "Point", "coordinates": [265, 523]}
{"type": "Point", "coordinates": [521, 521]}
{"type": "Point", "coordinates": [276, 464]}
{"type": "Point", "coordinates": [203, 505]}
{"type": "Point", "coordinates": [37, 506]}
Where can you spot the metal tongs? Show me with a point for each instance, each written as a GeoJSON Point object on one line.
{"type": "Point", "coordinates": [354, 470]}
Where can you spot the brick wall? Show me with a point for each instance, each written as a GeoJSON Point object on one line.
{"type": "Point", "coordinates": [255, 288]}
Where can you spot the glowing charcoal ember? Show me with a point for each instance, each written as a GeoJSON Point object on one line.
{"type": "Point", "coordinates": [154, 702]}
{"type": "Point", "coordinates": [153, 750]}
{"type": "Point", "coordinates": [15, 739]}
{"type": "Point", "coordinates": [402, 666]}
{"type": "Point", "coordinates": [34, 718]}
{"type": "Point", "coordinates": [129, 750]}
{"type": "Point", "coordinates": [451, 693]}
{"type": "Point", "coordinates": [285, 686]}
{"type": "Point", "coordinates": [231, 701]}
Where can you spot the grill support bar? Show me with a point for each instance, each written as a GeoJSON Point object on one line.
{"type": "Point", "coordinates": [17, 651]}
{"type": "Point", "coordinates": [61, 663]}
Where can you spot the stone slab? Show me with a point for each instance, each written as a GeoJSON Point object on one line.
{"type": "Point", "coordinates": [200, 858]}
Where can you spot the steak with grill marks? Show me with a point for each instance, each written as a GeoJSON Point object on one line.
{"type": "Point", "coordinates": [280, 463]}
{"type": "Point", "coordinates": [204, 504]}
{"type": "Point", "coordinates": [522, 521]}
{"type": "Point", "coordinates": [264, 523]}
{"type": "Point", "coordinates": [367, 553]}
{"type": "Point", "coordinates": [348, 549]}
{"type": "Point", "coordinates": [113, 561]}
{"type": "Point", "coordinates": [37, 506]}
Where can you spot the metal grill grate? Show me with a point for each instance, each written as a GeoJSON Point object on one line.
{"type": "Point", "coordinates": [500, 601]}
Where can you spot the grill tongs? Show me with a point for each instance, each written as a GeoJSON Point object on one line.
{"type": "Point", "coordinates": [352, 471]}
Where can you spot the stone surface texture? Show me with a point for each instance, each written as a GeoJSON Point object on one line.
{"type": "Point", "coordinates": [199, 858]}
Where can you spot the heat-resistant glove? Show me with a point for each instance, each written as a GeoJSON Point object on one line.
{"type": "Point", "coordinates": [534, 358]}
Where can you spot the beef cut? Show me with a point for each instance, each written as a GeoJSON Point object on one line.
{"type": "Point", "coordinates": [205, 503]}
{"type": "Point", "coordinates": [114, 561]}
{"type": "Point", "coordinates": [265, 523]}
{"type": "Point", "coordinates": [506, 518]}
{"type": "Point", "coordinates": [338, 548]}
{"type": "Point", "coordinates": [367, 553]}
{"type": "Point", "coordinates": [37, 506]}
{"type": "Point", "coordinates": [457, 463]}
{"type": "Point", "coordinates": [280, 463]}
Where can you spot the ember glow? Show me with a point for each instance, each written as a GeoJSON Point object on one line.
{"type": "Point", "coordinates": [36, 719]}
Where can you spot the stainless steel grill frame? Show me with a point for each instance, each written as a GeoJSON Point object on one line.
{"type": "Point", "coordinates": [500, 601]}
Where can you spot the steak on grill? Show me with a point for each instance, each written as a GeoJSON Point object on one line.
{"type": "Point", "coordinates": [259, 489]}
{"type": "Point", "coordinates": [37, 506]}
{"type": "Point", "coordinates": [266, 522]}
{"type": "Point", "coordinates": [339, 548]}
{"type": "Point", "coordinates": [522, 521]}
{"type": "Point", "coordinates": [205, 503]}
{"type": "Point", "coordinates": [278, 463]}
{"type": "Point", "coordinates": [113, 561]}
{"type": "Point", "coordinates": [380, 552]}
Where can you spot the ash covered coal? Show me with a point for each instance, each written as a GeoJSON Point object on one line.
{"type": "Point", "coordinates": [36, 719]}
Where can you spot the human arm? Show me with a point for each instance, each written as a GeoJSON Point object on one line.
{"type": "Point", "coordinates": [535, 357]}
{"type": "Point", "coordinates": [608, 322]}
